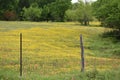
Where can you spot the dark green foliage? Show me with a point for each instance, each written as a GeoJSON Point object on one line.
{"type": "Point", "coordinates": [108, 12]}
{"type": "Point", "coordinates": [7, 5]}
{"type": "Point", "coordinates": [23, 3]}
{"type": "Point", "coordinates": [58, 9]}
{"type": "Point", "coordinates": [53, 10]}
{"type": "Point", "coordinates": [112, 33]}
{"type": "Point", "coordinates": [42, 3]}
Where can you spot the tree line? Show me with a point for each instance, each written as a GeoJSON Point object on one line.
{"type": "Point", "coordinates": [106, 11]}
{"type": "Point", "coordinates": [45, 10]}
{"type": "Point", "coordinates": [34, 10]}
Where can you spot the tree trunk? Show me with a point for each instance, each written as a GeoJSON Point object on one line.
{"type": "Point", "coordinates": [85, 23]}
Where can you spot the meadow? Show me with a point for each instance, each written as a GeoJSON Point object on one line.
{"type": "Point", "coordinates": [51, 51]}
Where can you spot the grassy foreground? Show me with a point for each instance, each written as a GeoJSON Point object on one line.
{"type": "Point", "coordinates": [51, 51]}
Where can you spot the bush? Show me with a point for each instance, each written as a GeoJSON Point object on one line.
{"type": "Point", "coordinates": [33, 13]}
{"type": "Point", "coordinates": [108, 12]}
{"type": "Point", "coordinates": [9, 15]}
{"type": "Point", "coordinates": [70, 15]}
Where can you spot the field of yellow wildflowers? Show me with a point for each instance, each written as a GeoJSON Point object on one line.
{"type": "Point", "coordinates": [51, 51]}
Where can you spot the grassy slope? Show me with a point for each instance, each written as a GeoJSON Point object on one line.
{"type": "Point", "coordinates": [52, 49]}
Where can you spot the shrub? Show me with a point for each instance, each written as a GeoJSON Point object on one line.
{"type": "Point", "coordinates": [32, 13]}
{"type": "Point", "coordinates": [9, 15]}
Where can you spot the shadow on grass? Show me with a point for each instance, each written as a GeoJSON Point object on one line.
{"type": "Point", "coordinates": [79, 24]}
{"type": "Point", "coordinates": [94, 25]}
{"type": "Point", "coordinates": [114, 34]}
{"type": "Point", "coordinates": [90, 25]}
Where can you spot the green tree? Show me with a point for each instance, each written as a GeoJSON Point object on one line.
{"type": "Point", "coordinates": [23, 3]}
{"type": "Point", "coordinates": [51, 9]}
{"type": "Point", "coordinates": [81, 12]}
{"type": "Point", "coordinates": [42, 3]}
{"type": "Point", "coordinates": [108, 12]}
{"type": "Point", "coordinates": [8, 6]}
{"type": "Point", "coordinates": [70, 15]}
{"type": "Point", "coordinates": [84, 12]}
{"type": "Point", "coordinates": [33, 13]}
{"type": "Point", "coordinates": [56, 10]}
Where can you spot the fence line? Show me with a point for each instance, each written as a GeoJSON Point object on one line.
{"type": "Point", "coordinates": [93, 62]}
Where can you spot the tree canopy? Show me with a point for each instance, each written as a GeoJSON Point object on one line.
{"type": "Point", "coordinates": [108, 12]}
{"type": "Point", "coordinates": [81, 12]}
{"type": "Point", "coordinates": [47, 9]}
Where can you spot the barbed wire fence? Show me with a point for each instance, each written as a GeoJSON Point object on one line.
{"type": "Point", "coordinates": [16, 54]}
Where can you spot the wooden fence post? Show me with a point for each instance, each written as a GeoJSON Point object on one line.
{"type": "Point", "coordinates": [82, 54]}
{"type": "Point", "coordinates": [20, 54]}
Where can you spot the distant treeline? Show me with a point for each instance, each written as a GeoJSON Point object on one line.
{"type": "Point", "coordinates": [45, 10]}
{"type": "Point", "coordinates": [106, 11]}
{"type": "Point", "coordinates": [34, 10]}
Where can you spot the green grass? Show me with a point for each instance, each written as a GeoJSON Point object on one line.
{"type": "Point", "coordinates": [51, 51]}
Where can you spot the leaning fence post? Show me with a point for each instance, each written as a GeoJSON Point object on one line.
{"type": "Point", "coordinates": [20, 54]}
{"type": "Point", "coordinates": [82, 54]}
